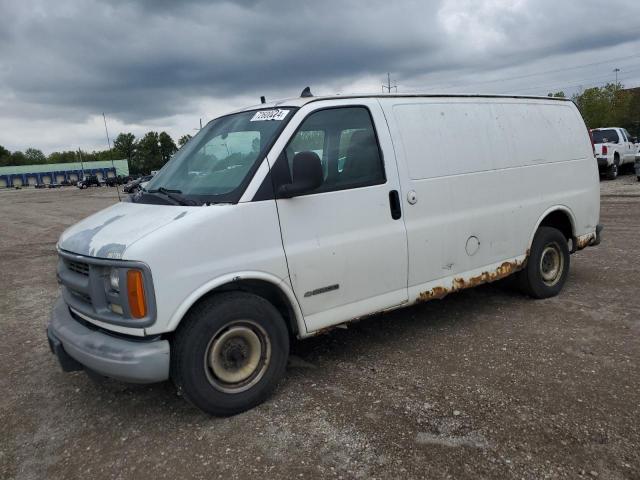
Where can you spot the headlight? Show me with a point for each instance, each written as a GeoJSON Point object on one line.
{"type": "Point", "coordinates": [114, 279]}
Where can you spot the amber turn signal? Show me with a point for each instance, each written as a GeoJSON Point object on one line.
{"type": "Point", "coordinates": [135, 292]}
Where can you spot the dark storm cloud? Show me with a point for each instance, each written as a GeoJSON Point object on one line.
{"type": "Point", "coordinates": [150, 59]}
{"type": "Point", "coordinates": [142, 60]}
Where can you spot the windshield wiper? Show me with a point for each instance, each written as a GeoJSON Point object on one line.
{"type": "Point", "coordinates": [174, 195]}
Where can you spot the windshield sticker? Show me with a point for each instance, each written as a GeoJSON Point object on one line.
{"type": "Point", "coordinates": [263, 115]}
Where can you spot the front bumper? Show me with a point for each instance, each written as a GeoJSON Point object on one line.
{"type": "Point", "coordinates": [78, 346]}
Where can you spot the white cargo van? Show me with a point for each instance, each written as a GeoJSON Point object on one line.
{"type": "Point", "coordinates": [284, 219]}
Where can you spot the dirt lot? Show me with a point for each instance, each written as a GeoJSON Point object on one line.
{"type": "Point", "coordinates": [483, 384]}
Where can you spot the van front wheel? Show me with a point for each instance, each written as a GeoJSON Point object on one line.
{"type": "Point", "coordinates": [547, 266]}
{"type": "Point", "coordinates": [230, 353]}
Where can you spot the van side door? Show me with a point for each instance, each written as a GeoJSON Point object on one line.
{"type": "Point", "coordinates": [455, 213]}
{"type": "Point", "coordinates": [345, 242]}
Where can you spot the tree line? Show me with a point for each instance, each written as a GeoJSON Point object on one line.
{"type": "Point", "coordinates": [609, 106]}
{"type": "Point", "coordinates": [148, 153]}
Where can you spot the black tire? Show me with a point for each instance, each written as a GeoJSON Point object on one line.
{"type": "Point", "coordinates": [538, 279]}
{"type": "Point", "coordinates": [613, 170]}
{"type": "Point", "coordinates": [219, 333]}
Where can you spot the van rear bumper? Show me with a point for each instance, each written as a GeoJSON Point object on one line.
{"type": "Point", "coordinates": [598, 238]}
{"type": "Point", "coordinates": [80, 347]}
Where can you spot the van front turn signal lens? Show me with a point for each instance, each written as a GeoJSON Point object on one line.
{"type": "Point", "coordinates": [135, 292]}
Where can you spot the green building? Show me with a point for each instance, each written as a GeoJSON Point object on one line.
{"type": "Point", "coordinates": [21, 175]}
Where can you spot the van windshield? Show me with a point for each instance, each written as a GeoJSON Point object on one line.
{"type": "Point", "coordinates": [605, 136]}
{"type": "Point", "coordinates": [215, 165]}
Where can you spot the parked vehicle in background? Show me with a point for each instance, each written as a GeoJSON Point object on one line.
{"type": "Point", "coordinates": [145, 180]}
{"type": "Point", "coordinates": [312, 212]}
{"type": "Point", "coordinates": [129, 186]}
{"type": "Point", "coordinates": [88, 181]}
{"type": "Point", "coordinates": [134, 185]}
{"type": "Point", "coordinates": [112, 181]}
{"type": "Point", "coordinates": [614, 148]}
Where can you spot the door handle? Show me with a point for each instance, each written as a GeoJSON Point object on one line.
{"type": "Point", "coordinates": [394, 203]}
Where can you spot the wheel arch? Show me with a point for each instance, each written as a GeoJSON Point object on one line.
{"type": "Point", "coordinates": [271, 288]}
{"type": "Point", "coordinates": [560, 217]}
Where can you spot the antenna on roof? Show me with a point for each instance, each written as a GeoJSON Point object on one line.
{"type": "Point", "coordinates": [115, 172]}
{"type": "Point", "coordinates": [306, 92]}
{"type": "Point", "coordinates": [262, 99]}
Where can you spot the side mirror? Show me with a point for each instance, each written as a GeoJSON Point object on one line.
{"type": "Point", "coordinates": [307, 175]}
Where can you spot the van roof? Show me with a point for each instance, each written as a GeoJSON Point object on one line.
{"type": "Point", "coordinates": [300, 101]}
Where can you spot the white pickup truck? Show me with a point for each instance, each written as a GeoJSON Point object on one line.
{"type": "Point", "coordinates": [614, 147]}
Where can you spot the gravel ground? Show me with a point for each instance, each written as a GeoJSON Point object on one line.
{"type": "Point", "coordinates": [483, 384]}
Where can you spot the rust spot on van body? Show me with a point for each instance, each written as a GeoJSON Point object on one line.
{"type": "Point", "coordinates": [584, 241]}
{"type": "Point", "coordinates": [435, 292]}
{"type": "Point", "coordinates": [459, 283]}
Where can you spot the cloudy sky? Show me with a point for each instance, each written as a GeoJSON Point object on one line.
{"type": "Point", "coordinates": [163, 65]}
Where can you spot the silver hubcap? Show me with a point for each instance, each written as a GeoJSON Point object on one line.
{"type": "Point", "coordinates": [551, 264]}
{"type": "Point", "coordinates": [237, 356]}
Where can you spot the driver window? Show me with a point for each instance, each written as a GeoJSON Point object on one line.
{"type": "Point", "coordinates": [345, 141]}
{"type": "Point", "coordinates": [307, 141]}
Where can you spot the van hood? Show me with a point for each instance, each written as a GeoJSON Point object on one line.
{"type": "Point", "coordinates": [108, 233]}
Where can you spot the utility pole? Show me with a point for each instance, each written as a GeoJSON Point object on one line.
{"type": "Point", "coordinates": [81, 164]}
{"type": "Point", "coordinates": [615, 88]}
{"type": "Point", "coordinates": [115, 172]}
{"type": "Point", "coordinates": [388, 86]}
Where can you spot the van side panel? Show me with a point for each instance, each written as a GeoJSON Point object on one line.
{"type": "Point", "coordinates": [202, 247]}
{"type": "Point", "coordinates": [484, 172]}
{"type": "Point", "coordinates": [554, 170]}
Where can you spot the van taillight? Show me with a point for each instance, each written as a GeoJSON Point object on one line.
{"type": "Point", "coordinates": [604, 150]}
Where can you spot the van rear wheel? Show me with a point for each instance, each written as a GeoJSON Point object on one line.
{"type": "Point", "coordinates": [547, 266]}
{"type": "Point", "coordinates": [230, 353]}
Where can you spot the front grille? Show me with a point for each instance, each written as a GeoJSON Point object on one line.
{"type": "Point", "coordinates": [78, 267]}
{"type": "Point", "coordinates": [81, 296]}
